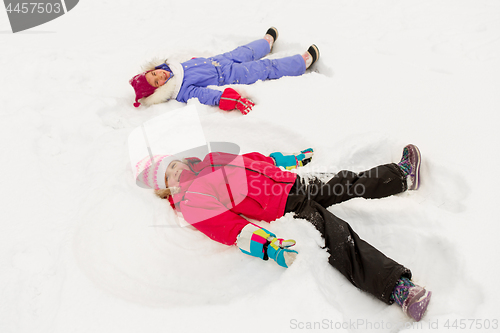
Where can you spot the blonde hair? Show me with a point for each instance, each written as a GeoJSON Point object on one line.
{"type": "Point", "coordinates": [166, 192]}
{"type": "Point", "coordinates": [163, 193]}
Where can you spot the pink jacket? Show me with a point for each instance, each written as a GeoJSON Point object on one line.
{"type": "Point", "coordinates": [217, 190]}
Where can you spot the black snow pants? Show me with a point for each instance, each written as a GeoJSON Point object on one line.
{"type": "Point", "coordinates": [362, 264]}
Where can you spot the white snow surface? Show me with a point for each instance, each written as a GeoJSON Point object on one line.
{"type": "Point", "coordinates": [83, 249]}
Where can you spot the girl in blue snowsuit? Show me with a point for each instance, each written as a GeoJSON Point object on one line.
{"type": "Point", "coordinates": [164, 80]}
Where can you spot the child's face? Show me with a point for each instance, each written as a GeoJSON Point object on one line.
{"type": "Point", "coordinates": [157, 78]}
{"type": "Point", "coordinates": [173, 173]}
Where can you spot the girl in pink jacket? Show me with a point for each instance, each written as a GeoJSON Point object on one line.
{"type": "Point", "coordinates": [215, 193]}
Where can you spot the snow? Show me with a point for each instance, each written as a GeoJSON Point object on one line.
{"type": "Point", "coordinates": [83, 249]}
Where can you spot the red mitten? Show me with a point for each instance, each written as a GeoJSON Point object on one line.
{"type": "Point", "coordinates": [231, 100]}
{"type": "Point", "coordinates": [245, 105]}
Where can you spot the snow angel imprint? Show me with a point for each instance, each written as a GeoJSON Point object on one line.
{"type": "Point", "coordinates": [215, 192]}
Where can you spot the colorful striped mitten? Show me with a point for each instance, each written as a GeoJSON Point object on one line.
{"type": "Point", "coordinates": [293, 161]}
{"type": "Point", "coordinates": [259, 242]}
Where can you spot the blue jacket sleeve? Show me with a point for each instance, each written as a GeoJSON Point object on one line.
{"type": "Point", "coordinates": [205, 95]}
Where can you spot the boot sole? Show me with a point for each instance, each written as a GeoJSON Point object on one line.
{"type": "Point", "coordinates": [417, 309]}
{"type": "Point", "coordinates": [416, 183]}
{"type": "Point", "coordinates": [273, 32]}
{"type": "Point", "coordinates": [314, 52]}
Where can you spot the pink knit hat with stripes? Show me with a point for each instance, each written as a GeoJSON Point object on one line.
{"type": "Point", "coordinates": [151, 174]}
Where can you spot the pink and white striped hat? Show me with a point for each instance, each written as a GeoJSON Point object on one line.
{"type": "Point", "coordinates": [151, 174]}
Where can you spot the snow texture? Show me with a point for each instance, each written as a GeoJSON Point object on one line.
{"type": "Point", "coordinates": [83, 249]}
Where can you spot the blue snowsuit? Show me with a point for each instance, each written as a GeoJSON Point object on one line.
{"type": "Point", "coordinates": [240, 66]}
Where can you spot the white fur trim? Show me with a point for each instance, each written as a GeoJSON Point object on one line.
{"type": "Point", "coordinates": [170, 89]}
{"type": "Point", "coordinates": [150, 65]}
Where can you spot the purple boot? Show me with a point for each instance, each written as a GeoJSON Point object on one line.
{"type": "Point", "coordinates": [410, 166]}
{"type": "Point", "coordinates": [416, 303]}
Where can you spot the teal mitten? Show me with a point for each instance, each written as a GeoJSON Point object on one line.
{"type": "Point", "coordinates": [260, 243]}
{"type": "Point", "coordinates": [293, 161]}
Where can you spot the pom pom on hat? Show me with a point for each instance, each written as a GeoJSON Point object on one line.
{"type": "Point", "coordinates": [142, 87]}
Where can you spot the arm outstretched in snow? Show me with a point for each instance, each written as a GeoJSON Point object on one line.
{"type": "Point", "coordinates": [206, 96]}
{"type": "Point", "coordinates": [210, 216]}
